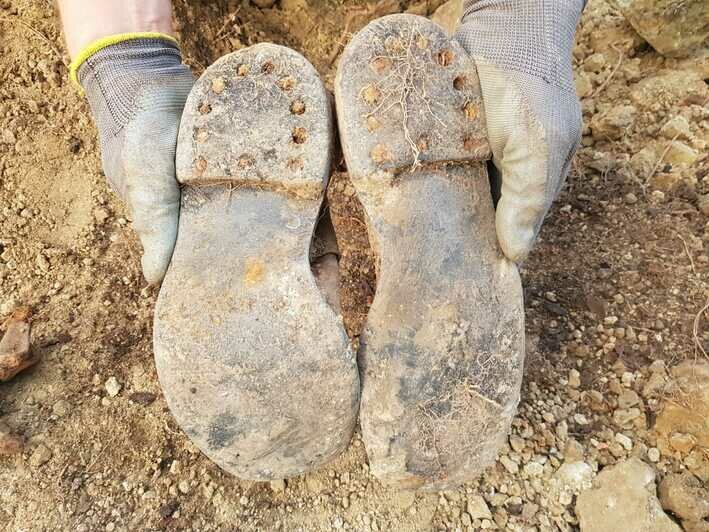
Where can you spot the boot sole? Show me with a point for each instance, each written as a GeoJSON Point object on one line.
{"type": "Point", "coordinates": [255, 366]}
{"type": "Point", "coordinates": [443, 347]}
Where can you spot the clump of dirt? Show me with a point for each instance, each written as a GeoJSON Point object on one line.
{"type": "Point", "coordinates": [616, 294]}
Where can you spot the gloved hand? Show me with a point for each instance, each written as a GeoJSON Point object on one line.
{"type": "Point", "coordinates": [522, 49]}
{"type": "Point", "coordinates": [137, 88]}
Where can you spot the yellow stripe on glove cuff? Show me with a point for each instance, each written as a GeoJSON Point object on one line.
{"type": "Point", "coordinates": [104, 42]}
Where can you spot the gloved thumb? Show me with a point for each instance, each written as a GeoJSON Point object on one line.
{"type": "Point", "coordinates": [156, 208]}
{"type": "Point", "coordinates": [520, 154]}
{"type": "Point", "coordinates": [150, 188]}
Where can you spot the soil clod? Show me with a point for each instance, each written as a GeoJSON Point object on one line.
{"type": "Point", "coordinates": [297, 107]}
{"type": "Point", "coordinates": [300, 135]}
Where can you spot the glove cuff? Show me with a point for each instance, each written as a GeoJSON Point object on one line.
{"type": "Point", "coordinates": [529, 36]}
{"type": "Point", "coordinates": [110, 40]}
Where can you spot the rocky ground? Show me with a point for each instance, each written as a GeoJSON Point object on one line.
{"type": "Point", "coordinates": [612, 428]}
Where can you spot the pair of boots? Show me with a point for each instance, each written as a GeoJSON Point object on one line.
{"type": "Point", "coordinates": [255, 365]}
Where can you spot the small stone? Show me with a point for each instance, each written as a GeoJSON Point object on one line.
{"type": "Point", "coordinates": [573, 451]}
{"type": "Point", "coordinates": [562, 430]}
{"type": "Point", "coordinates": [626, 442]}
{"type": "Point", "coordinates": [584, 85]}
{"type": "Point", "coordinates": [516, 443]}
{"type": "Point", "coordinates": [478, 508]}
{"type": "Point", "coordinates": [628, 399]}
{"type": "Point", "coordinates": [8, 136]}
{"type": "Point", "coordinates": [42, 262]}
{"type": "Point", "coordinates": [509, 465]}
{"type": "Point", "coordinates": [643, 162]}
{"type": "Point", "coordinates": [654, 385]}
{"type": "Point", "coordinates": [574, 476]}
{"type": "Point", "coordinates": [533, 469]}
{"type": "Point", "coordinates": [595, 62]}
{"type": "Point", "coordinates": [624, 417]}
{"type": "Point", "coordinates": [113, 387]}
{"type": "Point", "coordinates": [653, 454]}
{"type": "Point", "coordinates": [677, 127]}
{"type": "Point", "coordinates": [581, 419]}
{"type": "Point", "coordinates": [40, 456]}
{"type": "Point", "coordinates": [184, 487]}
{"type": "Point", "coordinates": [614, 123]}
{"type": "Point", "coordinates": [264, 4]}
{"type": "Point", "coordinates": [574, 378]}
{"type": "Point", "coordinates": [61, 408]}
{"type": "Point", "coordinates": [175, 467]}
{"type": "Point", "coordinates": [631, 198]}
{"type": "Point", "coordinates": [101, 215]}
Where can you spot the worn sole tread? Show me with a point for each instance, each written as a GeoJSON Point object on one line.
{"type": "Point", "coordinates": [442, 349]}
{"type": "Point", "coordinates": [255, 366]}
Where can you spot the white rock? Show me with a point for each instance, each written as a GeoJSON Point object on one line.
{"type": "Point", "coordinates": [574, 378]}
{"type": "Point", "coordinates": [580, 419]}
{"type": "Point", "coordinates": [574, 476]}
{"type": "Point", "coordinates": [113, 387]}
{"type": "Point", "coordinates": [653, 454]}
{"type": "Point", "coordinates": [626, 442]}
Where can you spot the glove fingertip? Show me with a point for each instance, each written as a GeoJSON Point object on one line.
{"type": "Point", "coordinates": [516, 242]}
{"type": "Point", "coordinates": [155, 264]}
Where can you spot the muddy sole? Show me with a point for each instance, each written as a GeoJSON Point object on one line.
{"type": "Point", "coordinates": [255, 366]}
{"type": "Point", "coordinates": [443, 347]}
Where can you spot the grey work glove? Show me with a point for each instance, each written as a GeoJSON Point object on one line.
{"type": "Point", "coordinates": [137, 91]}
{"type": "Point", "coordinates": [522, 49]}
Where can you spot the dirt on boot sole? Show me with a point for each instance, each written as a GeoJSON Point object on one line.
{"type": "Point", "coordinates": [254, 364]}
{"type": "Point", "coordinates": [443, 347]}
